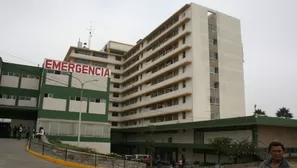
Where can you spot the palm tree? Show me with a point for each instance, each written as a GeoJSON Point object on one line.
{"type": "Point", "coordinates": [259, 112]}
{"type": "Point", "coordinates": [284, 113]}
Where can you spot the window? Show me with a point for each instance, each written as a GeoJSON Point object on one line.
{"type": "Point", "coordinates": [214, 70]}
{"type": "Point", "coordinates": [115, 114]}
{"type": "Point", "coordinates": [184, 69]}
{"type": "Point", "coordinates": [99, 64]}
{"type": "Point", "coordinates": [11, 74]}
{"type": "Point", "coordinates": [3, 96]}
{"type": "Point", "coordinates": [213, 41]}
{"type": "Point", "coordinates": [213, 56]}
{"type": "Point", "coordinates": [49, 95]}
{"type": "Point", "coordinates": [184, 40]}
{"type": "Point", "coordinates": [94, 100]}
{"type": "Point", "coordinates": [117, 67]}
{"type": "Point", "coordinates": [184, 26]}
{"type": "Point", "coordinates": [116, 76]}
{"type": "Point", "coordinates": [118, 58]}
{"type": "Point", "coordinates": [214, 100]}
{"type": "Point", "coordinates": [101, 55]}
{"type": "Point", "coordinates": [184, 99]}
{"type": "Point", "coordinates": [115, 124]}
{"type": "Point", "coordinates": [184, 54]}
{"type": "Point", "coordinates": [114, 104]}
{"type": "Point", "coordinates": [116, 85]}
{"type": "Point", "coordinates": [184, 84]}
{"type": "Point", "coordinates": [170, 140]}
{"type": "Point", "coordinates": [81, 61]}
{"type": "Point", "coordinates": [115, 95]}
{"type": "Point", "coordinates": [24, 98]}
{"type": "Point", "coordinates": [184, 115]}
{"type": "Point", "coordinates": [78, 98]}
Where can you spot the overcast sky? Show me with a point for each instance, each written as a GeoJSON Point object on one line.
{"type": "Point", "coordinates": [34, 29]}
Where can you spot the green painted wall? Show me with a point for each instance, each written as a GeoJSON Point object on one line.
{"type": "Point", "coordinates": [67, 92]}
{"type": "Point", "coordinates": [20, 69]}
{"type": "Point", "coordinates": [83, 139]}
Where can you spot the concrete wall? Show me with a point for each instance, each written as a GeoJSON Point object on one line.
{"type": "Point", "coordinates": [100, 85]}
{"type": "Point", "coordinates": [30, 83]}
{"type": "Point", "coordinates": [9, 81]}
{"type": "Point", "coordinates": [199, 53]}
{"type": "Point", "coordinates": [231, 77]}
{"type": "Point", "coordinates": [57, 79]}
{"type": "Point", "coordinates": [54, 104]}
{"type": "Point", "coordinates": [286, 135]}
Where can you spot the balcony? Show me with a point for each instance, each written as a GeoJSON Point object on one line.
{"type": "Point", "coordinates": [150, 75]}
{"type": "Point", "coordinates": [178, 23]}
{"type": "Point", "coordinates": [150, 53]}
{"type": "Point", "coordinates": [150, 88]}
{"type": "Point", "coordinates": [158, 112]}
{"type": "Point", "coordinates": [171, 95]}
{"type": "Point", "coordinates": [115, 109]}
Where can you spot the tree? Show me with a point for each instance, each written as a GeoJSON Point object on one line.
{"type": "Point", "coordinates": [150, 143]}
{"type": "Point", "coordinates": [259, 112]}
{"type": "Point", "coordinates": [233, 149]}
{"type": "Point", "coordinates": [284, 113]}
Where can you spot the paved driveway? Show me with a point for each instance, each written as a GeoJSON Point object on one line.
{"type": "Point", "coordinates": [14, 155]}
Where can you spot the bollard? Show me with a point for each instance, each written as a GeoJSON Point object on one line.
{"type": "Point", "coordinates": [42, 148]}
{"type": "Point", "coordinates": [66, 154]}
{"type": "Point", "coordinates": [95, 160]}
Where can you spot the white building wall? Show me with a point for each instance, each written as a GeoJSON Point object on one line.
{"type": "Point", "coordinates": [57, 79]}
{"type": "Point", "coordinates": [100, 147]}
{"type": "Point", "coordinates": [29, 83]}
{"type": "Point", "coordinates": [97, 108]}
{"type": "Point", "coordinates": [9, 102]}
{"type": "Point", "coordinates": [54, 104]}
{"type": "Point", "coordinates": [119, 46]}
{"type": "Point", "coordinates": [100, 85]}
{"type": "Point", "coordinates": [28, 103]}
{"type": "Point", "coordinates": [235, 135]}
{"type": "Point", "coordinates": [9, 81]}
{"type": "Point", "coordinates": [232, 96]}
{"type": "Point", "coordinates": [199, 53]}
{"type": "Point", "coordinates": [77, 106]}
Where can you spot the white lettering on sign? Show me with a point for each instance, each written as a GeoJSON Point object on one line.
{"type": "Point", "coordinates": [78, 68]}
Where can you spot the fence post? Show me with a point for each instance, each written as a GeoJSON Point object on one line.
{"type": "Point", "coordinates": [66, 154]}
{"type": "Point", "coordinates": [95, 160]}
{"type": "Point", "coordinates": [42, 148]}
{"type": "Point", "coordinates": [30, 143]}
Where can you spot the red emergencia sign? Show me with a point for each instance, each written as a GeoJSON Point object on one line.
{"type": "Point", "coordinates": [78, 68]}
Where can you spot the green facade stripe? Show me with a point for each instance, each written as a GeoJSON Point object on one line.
{"type": "Point", "coordinates": [50, 114]}
{"type": "Point", "coordinates": [41, 96]}
{"type": "Point", "coordinates": [65, 92]}
{"type": "Point", "coordinates": [82, 139]}
{"type": "Point", "coordinates": [19, 91]}
{"type": "Point", "coordinates": [22, 69]}
{"type": "Point", "coordinates": [255, 135]}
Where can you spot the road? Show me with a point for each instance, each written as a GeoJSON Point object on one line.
{"type": "Point", "coordinates": [14, 155]}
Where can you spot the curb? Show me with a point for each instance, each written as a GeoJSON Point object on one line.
{"type": "Point", "coordinates": [59, 161]}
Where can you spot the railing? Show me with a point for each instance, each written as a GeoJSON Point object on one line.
{"type": "Point", "coordinates": [89, 159]}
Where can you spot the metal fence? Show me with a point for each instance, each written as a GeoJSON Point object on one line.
{"type": "Point", "coordinates": [95, 160]}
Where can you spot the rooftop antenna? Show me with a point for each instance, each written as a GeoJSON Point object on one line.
{"type": "Point", "coordinates": [90, 35]}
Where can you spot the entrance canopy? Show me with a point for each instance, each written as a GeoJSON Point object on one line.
{"type": "Point", "coordinates": [24, 113]}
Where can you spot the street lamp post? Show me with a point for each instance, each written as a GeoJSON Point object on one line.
{"type": "Point", "coordinates": [80, 110]}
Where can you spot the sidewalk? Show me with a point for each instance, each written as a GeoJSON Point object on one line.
{"type": "Point", "coordinates": [13, 155]}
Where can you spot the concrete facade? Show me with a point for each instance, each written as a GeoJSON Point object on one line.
{"type": "Point", "coordinates": [190, 68]}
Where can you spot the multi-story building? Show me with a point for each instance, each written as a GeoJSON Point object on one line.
{"type": "Point", "coordinates": [50, 97]}
{"type": "Point", "coordinates": [190, 68]}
